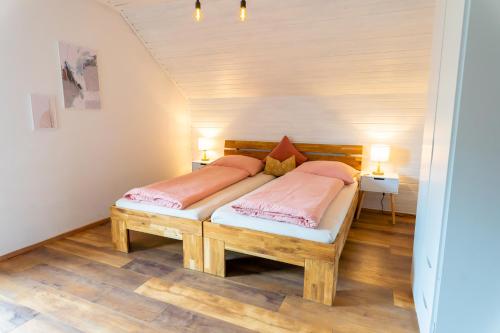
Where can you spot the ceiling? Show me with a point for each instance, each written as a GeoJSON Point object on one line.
{"type": "Point", "coordinates": [287, 47]}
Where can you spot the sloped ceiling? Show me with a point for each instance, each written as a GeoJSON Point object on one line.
{"type": "Point", "coordinates": [287, 47]}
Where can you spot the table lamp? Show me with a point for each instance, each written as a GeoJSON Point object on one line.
{"type": "Point", "coordinates": [380, 153]}
{"type": "Point", "coordinates": [204, 144]}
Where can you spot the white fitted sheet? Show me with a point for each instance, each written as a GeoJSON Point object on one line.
{"type": "Point", "coordinates": [202, 209]}
{"type": "Point", "coordinates": [325, 233]}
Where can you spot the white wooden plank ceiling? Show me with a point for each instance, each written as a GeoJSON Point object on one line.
{"type": "Point", "coordinates": [287, 47]}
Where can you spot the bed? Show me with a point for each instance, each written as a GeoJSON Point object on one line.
{"type": "Point", "coordinates": [317, 250]}
{"type": "Point", "coordinates": [182, 224]}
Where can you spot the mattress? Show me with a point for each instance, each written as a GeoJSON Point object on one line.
{"type": "Point", "coordinates": [202, 209]}
{"type": "Point", "coordinates": [326, 232]}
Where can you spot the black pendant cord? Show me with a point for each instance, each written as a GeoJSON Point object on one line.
{"type": "Point", "coordinates": [382, 202]}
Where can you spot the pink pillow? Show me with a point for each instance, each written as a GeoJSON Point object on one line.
{"type": "Point", "coordinates": [252, 165]}
{"type": "Point", "coordinates": [284, 150]}
{"type": "Point", "coordinates": [332, 169]}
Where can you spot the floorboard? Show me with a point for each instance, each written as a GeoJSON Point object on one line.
{"type": "Point", "coordinates": [14, 315]}
{"type": "Point", "coordinates": [45, 324]}
{"type": "Point", "coordinates": [79, 284]}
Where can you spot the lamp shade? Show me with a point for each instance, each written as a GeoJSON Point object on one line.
{"type": "Point", "coordinates": [205, 144]}
{"type": "Point", "coordinates": [380, 153]}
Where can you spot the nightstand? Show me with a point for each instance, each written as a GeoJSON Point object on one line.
{"type": "Point", "coordinates": [195, 165]}
{"type": "Point", "coordinates": [387, 183]}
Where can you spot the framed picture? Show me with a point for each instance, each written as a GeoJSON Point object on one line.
{"type": "Point", "coordinates": [42, 111]}
{"type": "Point", "coordinates": [80, 77]}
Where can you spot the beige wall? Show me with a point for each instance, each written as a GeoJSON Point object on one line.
{"type": "Point", "coordinates": [57, 180]}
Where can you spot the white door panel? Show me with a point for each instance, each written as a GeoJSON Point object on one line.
{"type": "Point", "coordinates": [435, 157]}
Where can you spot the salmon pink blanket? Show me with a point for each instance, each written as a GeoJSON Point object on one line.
{"type": "Point", "coordinates": [183, 191]}
{"type": "Point", "coordinates": [297, 198]}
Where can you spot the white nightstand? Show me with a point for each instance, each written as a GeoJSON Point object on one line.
{"type": "Point", "coordinates": [195, 165]}
{"type": "Point", "coordinates": [387, 183]}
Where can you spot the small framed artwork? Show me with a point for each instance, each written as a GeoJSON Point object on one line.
{"type": "Point", "coordinates": [42, 111]}
{"type": "Point", "coordinates": [80, 77]}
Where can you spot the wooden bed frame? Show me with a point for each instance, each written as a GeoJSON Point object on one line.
{"type": "Point", "coordinates": [320, 260]}
{"type": "Point", "coordinates": [189, 231]}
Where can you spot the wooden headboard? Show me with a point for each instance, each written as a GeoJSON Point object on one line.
{"type": "Point", "coordinates": [348, 154]}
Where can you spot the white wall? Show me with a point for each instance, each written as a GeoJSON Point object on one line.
{"type": "Point", "coordinates": [57, 180]}
{"type": "Point", "coordinates": [469, 296]}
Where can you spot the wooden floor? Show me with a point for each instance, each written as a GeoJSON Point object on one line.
{"type": "Point", "coordinates": [80, 284]}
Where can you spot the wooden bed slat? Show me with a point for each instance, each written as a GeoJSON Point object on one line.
{"type": "Point", "coordinates": [176, 225]}
{"type": "Point", "coordinates": [273, 246]}
{"type": "Point", "coordinates": [354, 162]}
{"type": "Point", "coordinates": [303, 147]}
{"type": "Point", "coordinates": [348, 154]}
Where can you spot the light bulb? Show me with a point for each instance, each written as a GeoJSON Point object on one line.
{"type": "Point", "coordinates": [197, 13]}
{"type": "Point", "coordinates": [243, 10]}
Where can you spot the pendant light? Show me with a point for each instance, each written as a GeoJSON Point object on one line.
{"type": "Point", "coordinates": [197, 12]}
{"type": "Point", "coordinates": [243, 10]}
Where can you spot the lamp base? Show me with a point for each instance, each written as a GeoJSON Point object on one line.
{"type": "Point", "coordinates": [378, 172]}
{"type": "Point", "coordinates": [204, 158]}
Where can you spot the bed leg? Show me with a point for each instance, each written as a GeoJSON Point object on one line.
{"type": "Point", "coordinates": [193, 251]}
{"type": "Point", "coordinates": [214, 257]}
{"type": "Point", "coordinates": [120, 235]}
{"type": "Point", "coordinates": [320, 281]}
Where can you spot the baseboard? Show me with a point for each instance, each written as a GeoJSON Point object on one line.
{"type": "Point", "coordinates": [388, 212]}
{"type": "Point", "coordinates": [63, 235]}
